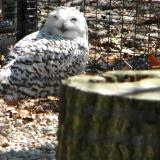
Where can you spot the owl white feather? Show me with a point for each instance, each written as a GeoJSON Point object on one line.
{"type": "Point", "coordinates": [37, 64]}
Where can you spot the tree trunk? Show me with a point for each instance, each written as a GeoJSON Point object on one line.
{"type": "Point", "coordinates": [115, 116]}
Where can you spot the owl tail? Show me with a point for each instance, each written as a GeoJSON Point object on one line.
{"type": "Point", "coordinates": [6, 90]}
{"type": "Point", "coordinates": [4, 80]}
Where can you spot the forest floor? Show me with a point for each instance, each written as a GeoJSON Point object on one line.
{"type": "Point", "coordinates": [28, 130]}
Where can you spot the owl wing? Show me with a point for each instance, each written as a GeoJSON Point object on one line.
{"type": "Point", "coordinates": [20, 47]}
{"type": "Point", "coordinates": [39, 43]}
{"type": "Point", "coordinates": [45, 56]}
{"type": "Point", "coordinates": [58, 51]}
{"type": "Point", "coordinates": [36, 67]}
{"type": "Point", "coordinates": [43, 48]}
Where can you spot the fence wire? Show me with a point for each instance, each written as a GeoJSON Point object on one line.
{"type": "Point", "coordinates": [123, 34]}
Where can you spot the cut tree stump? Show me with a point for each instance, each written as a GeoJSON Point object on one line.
{"type": "Point", "coordinates": [115, 116]}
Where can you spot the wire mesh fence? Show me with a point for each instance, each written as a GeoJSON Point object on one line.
{"type": "Point", "coordinates": [123, 34]}
{"type": "Point", "coordinates": [126, 33]}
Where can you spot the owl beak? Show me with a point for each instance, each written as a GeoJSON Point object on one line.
{"type": "Point", "coordinates": [63, 28]}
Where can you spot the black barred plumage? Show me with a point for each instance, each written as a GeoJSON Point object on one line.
{"type": "Point", "coordinates": [37, 64]}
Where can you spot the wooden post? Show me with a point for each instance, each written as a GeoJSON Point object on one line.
{"type": "Point", "coordinates": [115, 116]}
{"type": "Point", "coordinates": [7, 25]}
{"type": "Point", "coordinates": [26, 17]}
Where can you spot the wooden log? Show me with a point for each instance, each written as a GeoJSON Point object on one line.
{"type": "Point", "coordinates": [115, 116]}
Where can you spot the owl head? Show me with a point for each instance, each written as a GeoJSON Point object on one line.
{"type": "Point", "coordinates": [67, 22]}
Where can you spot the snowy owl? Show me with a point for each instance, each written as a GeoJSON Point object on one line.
{"type": "Point", "coordinates": [37, 63]}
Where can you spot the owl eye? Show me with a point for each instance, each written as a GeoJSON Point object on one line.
{"type": "Point", "coordinates": [74, 19]}
{"type": "Point", "coordinates": [55, 16]}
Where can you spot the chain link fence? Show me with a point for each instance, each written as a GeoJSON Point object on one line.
{"type": "Point", "coordinates": [123, 34]}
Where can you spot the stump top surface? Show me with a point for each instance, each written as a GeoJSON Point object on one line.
{"type": "Point", "coordinates": [130, 84]}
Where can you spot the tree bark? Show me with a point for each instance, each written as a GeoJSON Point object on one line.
{"type": "Point", "coordinates": [115, 116]}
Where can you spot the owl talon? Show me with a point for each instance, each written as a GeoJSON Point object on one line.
{"type": "Point", "coordinates": [11, 100]}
